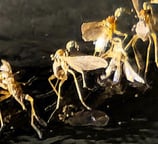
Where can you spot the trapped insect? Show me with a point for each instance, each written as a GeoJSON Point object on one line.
{"type": "Point", "coordinates": [64, 64]}
{"type": "Point", "coordinates": [118, 59]}
{"type": "Point", "coordinates": [101, 32]}
{"type": "Point", "coordinates": [11, 88]}
{"type": "Point", "coordinates": [145, 30]}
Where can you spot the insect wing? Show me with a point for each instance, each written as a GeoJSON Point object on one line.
{"type": "Point", "coordinates": [86, 63]}
{"type": "Point", "coordinates": [5, 66]}
{"type": "Point", "coordinates": [117, 75]}
{"type": "Point", "coordinates": [111, 67]}
{"type": "Point", "coordinates": [92, 30]}
{"type": "Point", "coordinates": [131, 75]}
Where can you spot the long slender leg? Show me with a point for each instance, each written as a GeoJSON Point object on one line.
{"type": "Point", "coordinates": [94, 54]}
{"type": "Point", "coordinates": [121, 34]}
{"type": "Point", "coordinates": [83, 78]}
{"type": "Point", "coordinates": [156, 47]}
{"type": "Point", "coordinates": [136, 54]}
{"type": "Point", "coordinates": [59, 90]}
{"type": "Point", "coordinates": [84, 81]}
{"type": "Point", "coordinates": [2, 98]}
{"type": "Point", "coordinates": [50, 79]}
{"type": "Point", "coordinates": [20, 101]}
{"type": "Point", "coordinates": [33, 114]}
{"type": "Point", "coordinates": [59, 97]}
{"type": "Point", "coordinates": [56, 83]}
{"type": "Point", "coordinates": [29, 81]}
{"type": "Point", "coordinates": [5, 96]}
{"type": "Point", "coordinates": [57, 93]}
{"type": "Point", "coordinates": [1, 121]}
{"type": "Point", "coordinates": [78, 90]}
{"type": "Point", "coordinates": [130, 42]}
{"type": "Point", "coordinates": [147, 57]}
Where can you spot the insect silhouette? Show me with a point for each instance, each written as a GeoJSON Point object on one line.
{"type": "Point", "coordinates": [118, 59]}
{"type": "Point", "coordinates": [101, 32]}
{"type": "Point", "coordinates": [145, 30]}
{"type": "Point", "coordinates": [11, 88]}
{"type": "Point", "coordinates": [64, 64]}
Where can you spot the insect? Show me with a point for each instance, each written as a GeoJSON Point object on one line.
{"type": "Point", "coordinates": [10, 87]}
{"type": "Point", "coordinates": [145, 30]}
{"type": "Point", "coordinates": [101, 32]}
{"type": "Point", "coordinates": [64, 64]}
{"type": "Point", "coordinates": [118, 59]}
{"type": "Point", "coordinates": [71, 44]}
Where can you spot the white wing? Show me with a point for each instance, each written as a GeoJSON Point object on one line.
{"type": "Point", "coordinates": [117, 75]}
{"type": "Point", "coordinates": [85, 63]}
{"type": "Point", "coordinates": [130, 74]}
{"type": "Point", "coordinates": [92, 30]}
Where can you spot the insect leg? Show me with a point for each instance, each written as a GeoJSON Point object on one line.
{"type": "Point", "coordinates": [130, 42]}
{"type": "Point", "coordinates": [54, 87]}
{"type": "Point", "coordinates": [59, 97]}
{"type": "Point", "coordinates": [78, 90]}
{"type": "Point", "coordinates": [147, 57]}
{"type": "Point", "coordinates": [56, 83]}
{"type": "Point", "coordinates": [5, 95]}
{"type": "Point", "coordinates": [83, 78]}
{"type": "Point", "coordinates": [121, 34]}
{"type": "Point", "coordinates": [57, 93]}
{"type": "Point", "coordinates": [94, 54]}
{"type": "Point", "coordinates": [34, 115]}
{"type": "Point", "coordinates": [156, 47]}
{"type": "Point", "coordinates": [1, 121]}
{"type": "Point", "coordinates": [137, 55]}
{"type": "Point", "coordinates": [20, 101]}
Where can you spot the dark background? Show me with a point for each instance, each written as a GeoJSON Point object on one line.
{"type": "Point", "coordinates": [30, 30]}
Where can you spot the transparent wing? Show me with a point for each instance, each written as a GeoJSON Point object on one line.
{"type": "Point", "coordinates": [5, 66]}
{"type": "Point", "coordinates": [111, 67]}
{"type": "Point", "coordinates": [85, 63]}
{"type": "Point", "coordinates": [117, 75]}
{"type": "Point", "coordinates": [131, 75]}
{"type": "Point", "coordinates": [92, 30]}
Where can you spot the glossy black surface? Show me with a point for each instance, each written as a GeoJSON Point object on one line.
{"type": "Point", "coordinates": [28, 37]}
